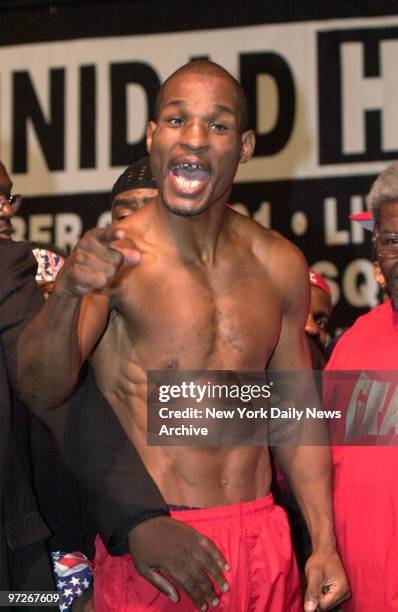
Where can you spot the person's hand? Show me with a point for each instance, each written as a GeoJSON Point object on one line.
{"type": "Point", "coordinates": [164, 548]}
{"type": "Point", "coordinates": [327, 584]}
{"type": "Point", "coordinates": [95, 261]}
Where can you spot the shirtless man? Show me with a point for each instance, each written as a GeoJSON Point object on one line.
{"type": "Point", "coordinates": [180, 287]}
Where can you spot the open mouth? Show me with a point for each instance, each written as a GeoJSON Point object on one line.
{"type": "Point", "coordinates": [189, 178]}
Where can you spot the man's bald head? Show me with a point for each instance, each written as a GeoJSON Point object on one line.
{"type": "Point", "coordinates": [211, 69]}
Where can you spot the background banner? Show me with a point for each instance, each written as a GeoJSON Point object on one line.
{"type": "Point", "coordinates": [78, 85]}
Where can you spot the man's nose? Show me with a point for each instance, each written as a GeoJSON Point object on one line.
{"type": "Point", "coordinates": [311, 327]}
{"type": "Point", "coordinates": [195, 136]}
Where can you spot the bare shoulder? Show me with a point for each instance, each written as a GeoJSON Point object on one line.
{"type": "Point", "coordinates": [268, 245]}
{"type": "Point", "coordinates": [283, 262]}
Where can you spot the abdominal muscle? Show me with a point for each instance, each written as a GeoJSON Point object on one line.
{"type": "Point", "coordinates": [197, 476]}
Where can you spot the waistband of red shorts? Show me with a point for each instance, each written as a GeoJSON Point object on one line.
{"type": "Point", "coordinates": [261, 505]}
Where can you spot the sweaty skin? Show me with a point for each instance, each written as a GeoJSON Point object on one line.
{"type": "Point", "coordinates": [188, 284]}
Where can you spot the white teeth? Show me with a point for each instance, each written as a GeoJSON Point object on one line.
{"type": "Point", "coordinates": [185, 184]}
{"type": "Point", "coordinates": [193, 166]}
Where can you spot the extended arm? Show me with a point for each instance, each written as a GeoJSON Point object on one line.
{"type": "Point", "coordinates": [56, 343]}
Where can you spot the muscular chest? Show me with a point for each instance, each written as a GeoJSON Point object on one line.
{"type": "Point", "coordinates": [228, 320]}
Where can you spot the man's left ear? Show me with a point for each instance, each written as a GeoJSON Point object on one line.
{"type": "Point", "coordinates": [248, 142]}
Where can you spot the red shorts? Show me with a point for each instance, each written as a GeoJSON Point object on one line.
{"type": "Point", "coordinates": [255, 540]}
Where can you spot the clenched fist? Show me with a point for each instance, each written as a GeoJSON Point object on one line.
{"type": "Point", "coordinates": [95, 261]}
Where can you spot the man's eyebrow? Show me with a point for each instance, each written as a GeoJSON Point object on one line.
{"type": "Point", "coordinates": [123, 202]}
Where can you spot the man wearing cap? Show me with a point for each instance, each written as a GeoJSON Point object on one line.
{"type": "Point", "coordinates": [134, 188]}
{"type": "Point", "coordinates": [366, 475]}
{"type": "Point", "coordinates": [318, 318]}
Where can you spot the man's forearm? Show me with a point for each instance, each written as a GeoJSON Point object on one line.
{"type": "Point", "coordinates": [49, 358]}
{"type": "Point", "coordinates": [308, 470]}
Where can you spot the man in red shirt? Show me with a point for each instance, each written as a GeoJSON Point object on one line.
{"type": "Point", "coordinates": [365, 477]}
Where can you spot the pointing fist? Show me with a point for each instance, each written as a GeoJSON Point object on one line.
{"type": "Point", "coordinates": [95, 261]}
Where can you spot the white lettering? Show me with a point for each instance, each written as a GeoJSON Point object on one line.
{"type": "Point", "coordinates": [359, 284]}
{"type": "Point", "coordinates": [68, 229]}
{"type": "Point", "coordinates": [40, 228]}
{"type": "Point", "coordinates": [213, 413]}
{"type": "Point", "coordinates": [367, 400]}
{"type": "Point", "coordinates": [358, 95]}
{"type": "Point", "coordinates": [333, 235]}
{"type": "Point", "coordinates": [263, 214]}
{"type": "Point", "coordinates": [184, 430]}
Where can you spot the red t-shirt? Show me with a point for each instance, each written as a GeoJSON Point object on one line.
{"type": "Point", "coordinates": [366, 477]}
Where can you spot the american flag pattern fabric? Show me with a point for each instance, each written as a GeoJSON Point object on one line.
{"type": "Point", "coordinates": [48, 264]}
{"type": "Point", "coordinates": [73, 575]}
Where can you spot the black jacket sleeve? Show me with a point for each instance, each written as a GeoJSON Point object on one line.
{"type": "Point", "coordinates": [20, 298]}
{"type": "Point", "coordinates": [23, 558]}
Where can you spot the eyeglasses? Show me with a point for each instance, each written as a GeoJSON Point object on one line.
{"type": "Point", "coordinates": [14, 201]}
{"type": "Point", "coordinates": [386, 245]}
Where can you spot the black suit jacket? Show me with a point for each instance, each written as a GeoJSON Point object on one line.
{"type": "Point", "coordinates": [20, 523]}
